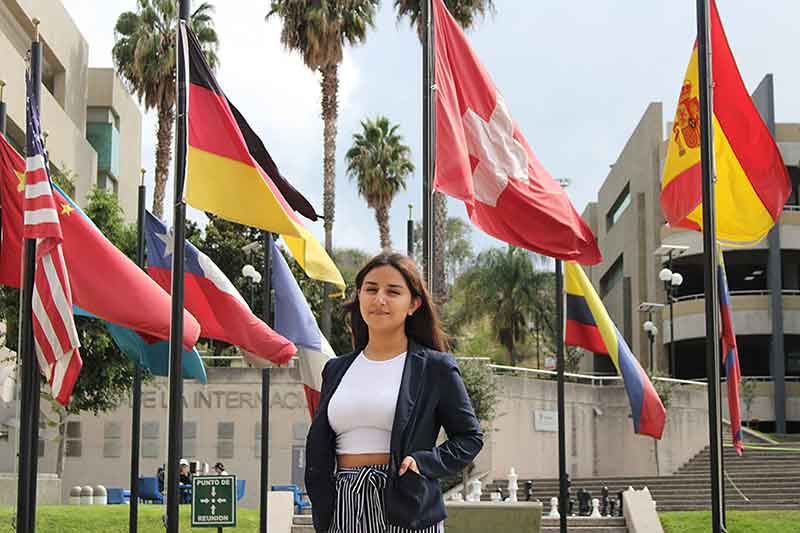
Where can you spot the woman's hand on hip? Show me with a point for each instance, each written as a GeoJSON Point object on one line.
{"type": "Point", "coordinates": [408, 463]}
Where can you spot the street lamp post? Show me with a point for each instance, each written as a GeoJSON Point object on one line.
{"type": "Point", "coordinates": [672, 280]}
{"type": "Point", "coordinates": [254, 276]}
{"type": "Point", "coordinates": [651, 331]}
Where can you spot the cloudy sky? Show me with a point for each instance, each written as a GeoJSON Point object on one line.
{"type": "Point", "coordinates": [576, 77]}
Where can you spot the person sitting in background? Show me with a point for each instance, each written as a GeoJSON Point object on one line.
{"type": "Point", "coordinates": [184, 475]}
{"type": "Point", "coordinates": [219, 469]}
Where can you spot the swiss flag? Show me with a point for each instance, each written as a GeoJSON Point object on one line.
{"type": "Point", "coordinates": [483, 159]}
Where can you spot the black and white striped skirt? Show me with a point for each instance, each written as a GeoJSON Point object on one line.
{"type": "Point", "coordinates": [359, 503]}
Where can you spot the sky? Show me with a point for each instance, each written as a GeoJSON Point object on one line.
{"type": "Point", "coordinates": [576, 77]}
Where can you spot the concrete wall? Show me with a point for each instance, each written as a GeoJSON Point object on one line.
{"type": "Point", "coordinates": [600, 437]}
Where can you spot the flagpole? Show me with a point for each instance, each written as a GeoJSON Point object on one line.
{"type": "Point", "coordinates": [428, 119]}
{"type": "Point", "coordinates": [178, 252]}
{"type": "Point", "coordinates": [265, 386]}
{"type": "Point", "coordinates": [563, 487]}
{"type": "Point", "coordinates": [29, 400]}
{"type": "Point", "coordinates": [710, 266]}
{"type": "Point", "coordinates": [410, 232]}
{"type": "Point", "coordinates": [136, 400]}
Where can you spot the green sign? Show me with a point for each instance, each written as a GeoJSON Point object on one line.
{"type": "Point", "coordinates": [214, 501]}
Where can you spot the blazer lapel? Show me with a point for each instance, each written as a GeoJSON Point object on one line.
{"type": "Point", "coordinates": [410, 387]}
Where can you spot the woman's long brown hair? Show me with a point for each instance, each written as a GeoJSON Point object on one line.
{"type": "Point", "coordinates": [423, 326]}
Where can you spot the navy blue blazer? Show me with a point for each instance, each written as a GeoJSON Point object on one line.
{"type": "Point", "coordinates": [432, 395]}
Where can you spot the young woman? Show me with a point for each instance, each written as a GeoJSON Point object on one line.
{"type": "Point", "coordinates": [372, 461]}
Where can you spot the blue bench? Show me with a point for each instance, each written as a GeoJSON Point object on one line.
{"type": "Point", "coordinates": [299, 502]}
{"type": "Point", "coordinates": [240, 486]}
{"type": "Point", "coordinates": [148, 490]}
{"type": "Point", "coordinates": [118, 496]}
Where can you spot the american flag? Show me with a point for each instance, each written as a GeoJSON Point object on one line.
{"type": "Point", "coordinates": [55, 336]}
{"type": "Point", "coordinates": [730, 354]}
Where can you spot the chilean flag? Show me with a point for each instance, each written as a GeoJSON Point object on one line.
{"type": "Point", "coordinates": [483, 160]}
{"type": "Point", "coordinates": [211, 298]}
{"type": "Point", "coordinates": [294, 320]}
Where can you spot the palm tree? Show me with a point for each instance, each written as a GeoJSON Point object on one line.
{"type": "Point", "coordinates": [507, 287]}
{"type": "Point", "coordinates": [318, 30]}
{"type": "Point", "coordinates": [380, 164]}
{"type": "Point", "coordinates": [144, 55]}
{"type": "Point", "coordinates": [465, 12]}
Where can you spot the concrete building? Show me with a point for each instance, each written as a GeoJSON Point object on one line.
{"type": "Point", "coordinates": [87, 113]}
{"type": "Point", "coordinates": [764, 279]}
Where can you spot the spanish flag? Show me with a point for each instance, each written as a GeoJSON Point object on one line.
{"type": "Point", "coordinates": [752, 182]}
{"type": "Point", "coordinates": [590, 327]}
{"type": "Point", "coordinates": [224, 178]}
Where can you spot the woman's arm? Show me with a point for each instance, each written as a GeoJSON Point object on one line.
{"type": "Point", "coordinates": [464, 436]}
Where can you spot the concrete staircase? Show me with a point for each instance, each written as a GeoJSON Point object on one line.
{"type": "Point", "coordinates": [764, 478]}
{"type": "Point", "coordinates": [586, 525]}
{"type": "Point", "coordinates": [302, 524]}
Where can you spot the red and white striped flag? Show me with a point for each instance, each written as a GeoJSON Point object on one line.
{"type": "Point", "coordinates": [55, 336]}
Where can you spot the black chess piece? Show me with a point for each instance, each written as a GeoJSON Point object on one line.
{"type": "Point", "coordinates": [528, 490]}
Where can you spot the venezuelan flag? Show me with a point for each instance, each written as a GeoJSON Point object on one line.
{"type": "Point", "coordinates": [590, 327]}
{"type": "Point", "coordinates": [730, 355]}
{"type": "Point", "coordinates": [752, 182]}
{"type": "Point", "coordinates": [224, 178]}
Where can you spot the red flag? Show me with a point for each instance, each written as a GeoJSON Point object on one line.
{"type": "Point", "coordinates": [103, 281]}
{"type": "Point", "coordinates": [483, 160]}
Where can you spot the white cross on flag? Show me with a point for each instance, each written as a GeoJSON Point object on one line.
{"type": "Point", "coordinates": [55, 337]}
{"type": "Point", "coordinates": [483, 160]}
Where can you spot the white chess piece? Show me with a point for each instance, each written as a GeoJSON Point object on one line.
{"type": "Point", "coordinates": [512, 486]}
{"type": "Point", "coordinates": [595, 509]}
{"type": "Point", "coordinates": [554, 508]}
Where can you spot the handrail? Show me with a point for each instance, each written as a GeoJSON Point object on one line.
{"type": "Point", "coordinates": [690, 297]}
{"type": "Point", "coordinates": [791, 207]}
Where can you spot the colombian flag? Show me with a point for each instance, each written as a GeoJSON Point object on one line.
{"type": "Point", "coordinates": [752, 182]}
{"type": "Point", "coordinates": [224, 177]}
{"type": "Point", "coordinates": [590, 327]}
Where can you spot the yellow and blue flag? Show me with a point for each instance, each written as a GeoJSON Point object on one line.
{"type": "Point", "coordinates": [590, 327]}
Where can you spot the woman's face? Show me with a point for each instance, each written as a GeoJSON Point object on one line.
{"type": "Point", "coordinates": [385, 300]}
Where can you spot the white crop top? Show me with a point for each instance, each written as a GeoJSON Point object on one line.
{"type": "Point", "coordinates": [361, 411]}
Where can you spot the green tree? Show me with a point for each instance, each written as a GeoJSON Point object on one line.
{"type": "Point", "coordinates": [379, 162]}
{"type": "Point", "coordinates": [507, 287]}
{"type": "Point", "coordinates": [319, 31]}
{"type": "Point", "coordinates": [465, 12]}
{"type": "Point", "coordinates": [458, 251]}
{"type": "Point", "coordinates": [144, 55]}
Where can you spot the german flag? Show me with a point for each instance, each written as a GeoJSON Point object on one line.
{"type": "Point", "coordinates": [224, 177]}
{"type": "Point", "coordinates": [590, 327]}
{"type": "Point", "coordinates": [752, 182]}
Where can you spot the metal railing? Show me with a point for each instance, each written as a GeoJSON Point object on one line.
{"type": "Point", "coordinates": [764, 292]}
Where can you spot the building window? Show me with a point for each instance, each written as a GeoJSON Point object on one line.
{"type": "Point", "coordinates": [150, 440]}
{"type": "Point", "coordinates": [189, 439]}
{"type": "Point", "coordinates": [620, 204]}
{"type": "Point", "coordinates": [112, 439]}
{"type": "Point", "coordinates": [225, 432]}
{"type": "Point", "coordinates": [73, 443]}
{"type": "Point", "coordinates": [612, 276]}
